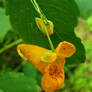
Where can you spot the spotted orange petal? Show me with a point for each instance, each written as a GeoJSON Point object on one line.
{"type": "Point", "coordinates": [65, 49]}
{"type": "Point", "coordinates": [53, 79]}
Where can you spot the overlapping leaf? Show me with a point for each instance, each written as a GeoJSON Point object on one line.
{"type": "Point", "coordinates": [17, 82]}
{"type": "Point", "coordinates": [29, 70]}
{"type": "Point", "coordinates": [4, 24]}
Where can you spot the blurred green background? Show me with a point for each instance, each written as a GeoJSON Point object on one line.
{"type": "Point", "coordinates": [13, 68]}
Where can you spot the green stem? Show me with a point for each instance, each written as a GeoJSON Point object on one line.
{"type": "Point", "coordinates": [37, 8]}
{"type": "Point", "coordinates": [47, 34]}
{"type": "Point", "coordinates": [10, 46]}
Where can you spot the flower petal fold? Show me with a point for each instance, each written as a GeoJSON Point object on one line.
{"type": "Point", "coordinates": [33, 54]}
{"type": "Point", "coordinates": [65, 49]}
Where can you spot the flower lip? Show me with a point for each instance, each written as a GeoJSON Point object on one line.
{"type": "Point", "coordinates": [53, 79]}
{"type": "Point", "coordinates": [55, 69]}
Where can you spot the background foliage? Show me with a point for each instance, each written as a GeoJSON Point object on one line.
{"type": "Point", "coordinates": [19, 75]}
{"type": "Point", "coordinates": [85, 7]}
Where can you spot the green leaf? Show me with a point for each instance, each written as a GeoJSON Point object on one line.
{"type": "Point", "coordinates": [85, 7]}
{"type": "Point", "coordinates": [29, 70]}
{"type": "Point", "coordinates": [4, 24]}
{"type": "Point", "coordinates": [1, 0]}
{"type": "Point", "coordinates": [1, 90]}
{"type": "Point", "coordinates": [63, 13]}
{"type": "Point", "coordinates": [17, 82]}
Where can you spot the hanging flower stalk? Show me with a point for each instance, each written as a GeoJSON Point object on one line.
{"type": "Point", "coordinates": [49, 62]}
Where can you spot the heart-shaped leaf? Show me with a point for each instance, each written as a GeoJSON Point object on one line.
{"type": "Point", "coordinates": [63, 13]}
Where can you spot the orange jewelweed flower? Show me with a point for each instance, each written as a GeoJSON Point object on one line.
{"type": "Point", "coordinates": [49, 26]}
{"type": "Point", "coordinates": [49, 63]}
